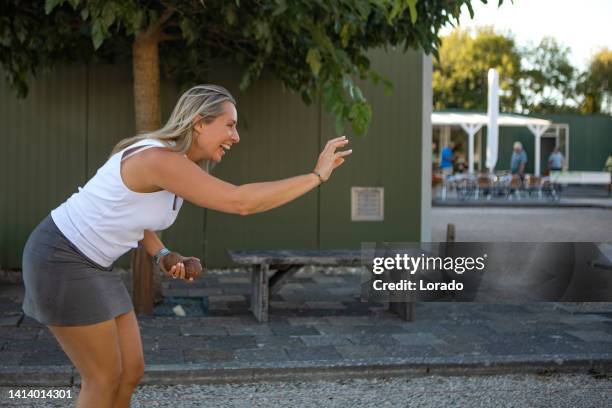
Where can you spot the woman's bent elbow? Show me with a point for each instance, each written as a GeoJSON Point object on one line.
{"type": "Point", "coordinates": [244, 209]}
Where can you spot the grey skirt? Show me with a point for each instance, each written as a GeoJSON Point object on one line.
{"type": "Point", "coordinates": [63, 287]}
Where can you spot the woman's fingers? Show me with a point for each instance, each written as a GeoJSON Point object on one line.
{"type": "Point", "coordinates": [344, 153]}
{"type": "Point", "coordinates": [336, 139]}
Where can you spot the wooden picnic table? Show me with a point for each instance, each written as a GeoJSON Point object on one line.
{"type": "Point", "coordinates": [270, 269]}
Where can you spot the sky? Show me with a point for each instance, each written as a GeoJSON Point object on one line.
{"type": "Point", "coordinates": [584, 26]}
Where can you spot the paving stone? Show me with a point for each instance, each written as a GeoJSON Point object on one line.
{"type": "Point", "coordinates": [259, 330]}
{"type": "Point", "coordinates": [592, 335]}
{"type": "Point", "coordinates": [405, 351]}
{"type": "Point", "coordinates": [303, 321]}
{"type": "Point", "coordinates": [181, 342]}
{"type": "Point", "coordinates": [203, 330]}
{"type": "Point", "coordinates": [290, 330]}
{"type": "Point", "coordinates": [361, 320]}
{"type": "Point", "coordinates": [325, 340]}
{"type": "Point", "coordinates": [10, 321]}
{"type": "Point", "coordinates": [417, 339]}
{"type": "Point", "coordinates": [267, 354]}
{"type": "Point", "coordinates": [20, 333]}
{"type": "Point", "coordinates": [330, 329]}
{"type": "Point", "coordinates": [50, 345]}
{"type": "Point", "coordinates": [160, 331]}
{"type": "Point", "coordinates": [45, 357]}
{"type": "Point", "coordinates": [11, 358]}
{"type": "Point", "coordinates": [313, 353]}
{"type": "Point", "coordinates": [170, 356]}
{"type": "Point", "coordinates": [206, 355]}
{"type": "Point", "coordinates": [380, 328]}
{"type": "Point", "coordinates": [355, 352]}
{"type": "Point", "coordinates": [278, 341]}
{"type": "Point", "coordinates": [372, 339]}
{"type": "Point", "coordinates": [231, 343]}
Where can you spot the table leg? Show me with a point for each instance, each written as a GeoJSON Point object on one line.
{"type": "Point", "coordinates": [401, 303]}
{"type": "Point", "coordinates": [259, 292]}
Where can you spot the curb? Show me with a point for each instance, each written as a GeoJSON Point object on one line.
{"type": "Point", "coordinates": [170, 374]}
{"type": "Point", "coordinates": [519, 205]}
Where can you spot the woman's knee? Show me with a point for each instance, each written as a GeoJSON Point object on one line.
{"type": "Point", "coordinates": [132, 374]}
{"type": "Point", "coordinates": [108, 379]}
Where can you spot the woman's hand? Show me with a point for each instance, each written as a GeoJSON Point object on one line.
{"type": "Point", "coordinates": [178, 266]}
{"type": "Point", "coordinates": [329, 159]}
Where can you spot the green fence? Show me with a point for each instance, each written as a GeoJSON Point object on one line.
{"type": "Point", "coordinates": [56, 139]}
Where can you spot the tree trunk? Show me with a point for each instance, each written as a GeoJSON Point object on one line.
{"type": "Point", "coordinates": [145, 65]}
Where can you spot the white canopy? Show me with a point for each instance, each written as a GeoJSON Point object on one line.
{"type": "Point", "coordinates": [472, 122]}
{"type": "Point", "coordinates": [504, 119]}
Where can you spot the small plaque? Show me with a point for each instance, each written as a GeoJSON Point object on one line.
{"type": "Point", "coordinates": [367, 203]}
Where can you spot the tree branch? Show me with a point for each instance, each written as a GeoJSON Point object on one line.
{"type": "Point", "coordinates": [156, 27]}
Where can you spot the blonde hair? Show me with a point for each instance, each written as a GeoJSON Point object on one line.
{"type": "Point", "coordinates": [204, 100]}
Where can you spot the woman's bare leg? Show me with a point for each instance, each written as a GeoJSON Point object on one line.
{"type": "Point", "coordinates": [132, 358]}
{"type": "Point", "coordinates": [95, 352]}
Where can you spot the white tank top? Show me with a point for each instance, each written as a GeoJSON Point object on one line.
{"type": "Point", "coordinates": [105, 219]}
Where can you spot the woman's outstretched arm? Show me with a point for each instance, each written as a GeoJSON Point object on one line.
{"type": "Point", "coordinates": [179, 175]}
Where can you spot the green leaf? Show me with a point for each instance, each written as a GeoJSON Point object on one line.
{"type": "Point", "coordinates": [230, 16]}
{"type": "Point", "coordinates": [84, 14]}
{"type": "Point", "coordinates": [108, 15]}
{"type": "Point", "coordinates": [281, 7]}
{"type": "Point", "coordinates": [97, 34]}
{"type": "Point", "coordinates": [51, 4]}
{"type": "Point", "coordinates": [74, 3]}
{"type": "Point", "coordinates": [313, 58]}
{"type": "Point", "coordinates": [345, 34]}
{"type": "Point", "coordinates": [413, 10]}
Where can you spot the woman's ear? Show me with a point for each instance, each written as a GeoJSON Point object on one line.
{"type": "Point", "coordinates": [198, 123]}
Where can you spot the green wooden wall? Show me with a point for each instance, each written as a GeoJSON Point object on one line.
{"type": "Point", "coordinates": [590, 141]}
{"type": "Point", "coordinates": [56, 139]}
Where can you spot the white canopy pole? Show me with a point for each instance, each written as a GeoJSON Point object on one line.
{"type": "Point", "coordinates": [471, 129]}
{"type": "Point", "coordinates": [538, 131]}
{"type": "Point", "coordinates": [492, 114]}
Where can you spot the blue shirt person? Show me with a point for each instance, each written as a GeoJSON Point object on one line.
{"type": "Point", "coordinates": [446, 158]}
{"type": "Point", "coordinates": [518, 160]}
{"type": "Point", "coordinates": [555, 160]}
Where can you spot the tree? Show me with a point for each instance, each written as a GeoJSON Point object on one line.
{"type": "Point", "coordinates": [315, 48]}
{"type": "Point", "coordinates": [460, 73]}
{"type": "Point", "coordinates": [597, 84]}
{"type": "Point", "coordinates": [548, 79]}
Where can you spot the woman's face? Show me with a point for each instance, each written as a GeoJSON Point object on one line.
{"type": "Point", "coordinates": [213, 140]}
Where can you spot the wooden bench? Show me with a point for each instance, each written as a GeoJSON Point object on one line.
{"type": "Point", "coordinates": [270, 269]}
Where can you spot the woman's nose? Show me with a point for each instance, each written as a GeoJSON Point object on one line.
{"type": "Point", "coordinates": [235, 137]}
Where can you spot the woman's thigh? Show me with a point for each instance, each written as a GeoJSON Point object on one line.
{"type": "Point", "coordinates": [130, 343]}
{"type": "Point", "coordinates": [94, 349]}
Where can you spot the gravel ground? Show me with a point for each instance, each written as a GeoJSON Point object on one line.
{"type": "Point", "coordinates": [481, 224]}
{"type": "Point", "coordinates": [577, 390]}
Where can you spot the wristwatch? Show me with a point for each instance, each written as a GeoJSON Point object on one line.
{"type": "Point", "coordinates": [157, 257]}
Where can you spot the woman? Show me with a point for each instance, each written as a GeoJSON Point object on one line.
{"type": "Point", "coordinates": [68, 259]}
